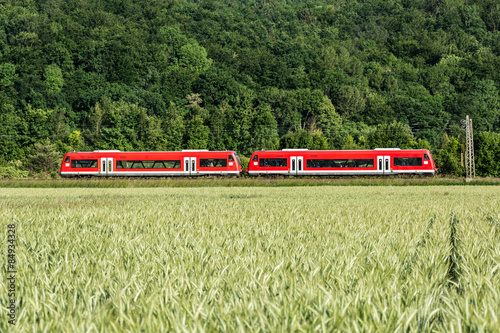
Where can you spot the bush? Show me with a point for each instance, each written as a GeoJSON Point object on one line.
{"type": "Point", "coordinates": [244, 161]}
{"type": "Point", "coordinates": [44, 157]}
{"type": "Point", "coordinates": [487, 153]}
{"type": "Point", "coordinates": [13, 170]}
{"type": "Point", "coordinates": [447, 156]}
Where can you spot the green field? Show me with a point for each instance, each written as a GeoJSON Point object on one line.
{"type": "Point", "coordinates": [329, 258]}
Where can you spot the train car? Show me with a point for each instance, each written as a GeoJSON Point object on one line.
{"type": "Point", "coordinates": [151, 163]}
{"type": "Point", "coordinates": [380, 161]}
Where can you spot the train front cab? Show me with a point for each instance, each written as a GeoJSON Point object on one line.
{"type": "Point", "coordinates": [281, 162]}
{"type": "Point", "coordinates": [96, 163]}
{"type": "Point", "coordinates": [417, 161]}
{"type": "Point", "coordinates": [224, 163]}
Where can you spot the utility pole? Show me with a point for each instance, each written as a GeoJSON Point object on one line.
{"type": "Point", "coordinates": [470, 164]}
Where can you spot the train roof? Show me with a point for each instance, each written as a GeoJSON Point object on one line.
{"type": "Point", "coordinates": [326, 150]}
{"type": "Point", "coordinates": [153, 151]}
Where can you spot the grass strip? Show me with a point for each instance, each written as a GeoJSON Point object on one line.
{"type": "Point", "coordinates": [240, 182]}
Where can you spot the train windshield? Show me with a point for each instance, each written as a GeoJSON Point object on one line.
{"type": "Point", "coordinates": [238, 158]}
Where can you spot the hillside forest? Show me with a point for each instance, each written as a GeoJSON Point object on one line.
{"type": "Point", "coordinates": [245, 75]}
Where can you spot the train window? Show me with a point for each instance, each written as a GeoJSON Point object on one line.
{"type": "Point", "coordinates": [84, 163]}
{"type": "Point", "coordinates": [364, 163]}
{"type": "Point", "coordinates": [426, 157]}
{"type": "Point", "coordinates": [148, 164]}
{"type": "Point", "coordinates": [273, 162]}
{"type": "Point", "coordinates": [230, 158]}
{"type": "Point", "coordinates": [159, 165]}
{"type": "Point", "coordinates": [213, 163]}
{"type": "Point", "coordinates": [172, 164]}
{"type": "Point", "coordinates": [238, 158]}
{"type": "Point", "coordinates": [255, 158]}
{"type": "Point", "coordinates": [407, 161]}
{"type": "Point", "coordinates": [127, 164]}
{"type": "Point", "coordinates": [340, 163]}
{"type": "Point", "coordinates": [67, 159]}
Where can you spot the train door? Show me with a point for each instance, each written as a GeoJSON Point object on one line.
{"type": "Point", "coordinates": [384, 164]}
{"type": "Point", "coordinates": [106, 168]}
{"type": "Point", "coordinates": [190, 166]}
{"type": "Point", "coordinates": [296, 165]}
{"type": "Point", "coordinates": [300, 164]}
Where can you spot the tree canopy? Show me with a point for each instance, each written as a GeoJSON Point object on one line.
{"type": "Point", "coordinates": [266, 74]}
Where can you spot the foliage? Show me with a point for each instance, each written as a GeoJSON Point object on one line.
{"type": "Point", "coordinates": [487, 153]}
{"type": "Point", "coordinates": [394, 135]}
{"type": "Point", "coordinates": [448, 156]}
{"type": "Point", "coordinates": [53, 78]}
{"type": "Point", "coordinates": [75, 140]}
{"type": "Point", "coordinates": [261, 70]}
{"type": "Point", "coordinates": [303, 139]}
{"type": "Point", "coordinates": [7, 74]}
{"type": "Point", "coordinates": [44, 157]}
{"type": "Point", "coordinates": [13, 170]}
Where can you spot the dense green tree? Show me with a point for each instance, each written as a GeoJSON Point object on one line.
{"type": "Point", "coordinates": [11, 141]}
{"type": "Point", "coordinates": [75, 141]}
{"type": "Point", "coordinates": [173, 128]}
{"type": "Point", "coordinates": [327, 119]}
{"type": "Point", "coordinates": [7, 75]}
{"type": "Point", "coordinates": [53, 78]}
{"type": "Point", "coordinates": [447, 156]}
{"type": "Point", "coordinates": [350, 101]}
{"type": "Point", "coordinates": [120, 73]}
{"type": "Point", "coordinates": [303, 139]}
{"type": "Point", "coordinates": [264, 131]}
{"type": "Point", "coordinates": [378, 109]}
{"type": "Point", "coordinates": [124, 126]}
{"type": "Point", "coordinates": [487, 153]}
{"type": "Point", "coordinates": [44, 157]}
{"type": "Point", "coordinates": [482, 103]}
{"type": "Point", "coordinates": [393, 135]}
{"type": "Point", "coordinates": [197, 132]}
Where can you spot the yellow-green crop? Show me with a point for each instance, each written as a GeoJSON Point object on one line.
{"type": "Point", "coordinates": [346, 259]}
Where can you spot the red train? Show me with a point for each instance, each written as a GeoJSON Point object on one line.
{"type": "Point", "coordinates": [166, 163]}
{"type": "Point", "coordinates": [383, 161]}
{"type": "Point", "coordinates": [294, 162]}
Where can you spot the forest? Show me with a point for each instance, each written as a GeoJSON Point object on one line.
{"type": "Point", "coordinates": [247, 74]}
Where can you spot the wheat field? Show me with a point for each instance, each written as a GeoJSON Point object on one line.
{"type": "Point", "coordinates": [342, 259]}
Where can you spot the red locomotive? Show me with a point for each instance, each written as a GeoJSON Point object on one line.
{"type": "Point", "coordinates": [168, 163]}
{"type": "Point", "coordinates": [381, 161]}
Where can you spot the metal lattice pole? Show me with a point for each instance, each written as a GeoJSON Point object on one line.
{"type": "Point", "coordinates": [466, 152]}
{"type": "Point", "coordinates": [470, 165]}
{"type": "Point", "coordinates": [473, 160]}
